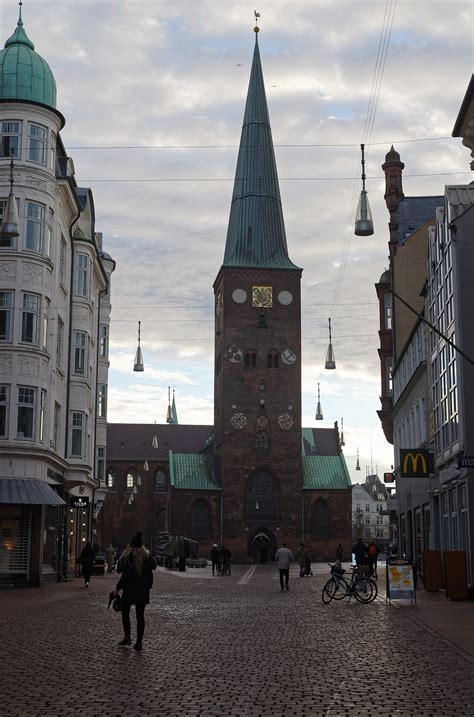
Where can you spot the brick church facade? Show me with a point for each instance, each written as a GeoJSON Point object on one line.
{"type": "Point", "coordinates": [256, 478]}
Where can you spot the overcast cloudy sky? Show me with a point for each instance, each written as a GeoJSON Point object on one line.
{"type": "Point", "coordinates": [153, 93]}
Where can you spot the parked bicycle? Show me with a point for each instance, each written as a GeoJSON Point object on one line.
{"type": "Point", "coordinates": [360, 586]}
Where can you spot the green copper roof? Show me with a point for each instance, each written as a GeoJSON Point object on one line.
{"type": "Point", "coordinates": [325, 472]}
{"type": "Point", "coordinates": [24, 75]}
{"type": "Point", "coordinates": [174, 413]}
{"type": "Point", "coordinates": [193, 471]}
{"type": "Point", "coordinates": [256, 233]}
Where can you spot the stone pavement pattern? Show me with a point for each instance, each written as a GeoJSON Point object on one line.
{"type": "Point", "coordinates": [225, 646]}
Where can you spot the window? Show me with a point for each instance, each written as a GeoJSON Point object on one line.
{"type": "Point", "coordinates": [56, 424]}
{"type": "Point", "coordinates": [102, 400]}
{"type": "Point", "coordinates": [82, 275]}
{"type": "Point", "coordinates": [41, 415]}
{"type": "Point", "coordinates": [262, 441]}
{"type": "Point", "coordinates": [110, 479]}
{"type": "Point", "coordinates": [261, 501]}
{"type": "Point", "coordinates": [367, 519]}
{"type": "Point", "coordinates": [6, 315]}
{"type": "Point", "coordinates": [367, 507]}
{"type": "Point", "coordinates": [100, 464]}
{"type": "Point", "coordinates": [104, 342]}
{"type": "Point", "coordinates": [80, 348]}
{"type": "Point", "coordinates": [37, 137]}
{"type": "Point", "coordinates": [273, 360]}
{"type": "Point", "coordinates": [45, 323]}
{"type": "Point", "coordinates": [11, 139]}
{"type": "Point", "coordinates": [6, 242]}
{"type": "Point", "coordinates": [4, 401]}
{"type": "Point", "coordinates": [130, 481]}
{"type": "Point", "coordinates": [160, 481]}
{"type": "Point", "coordinates": [200, 520]}
{"type": "Point", "coordinates": [26, 412]}
{"type": "Point", "coordinates": [34, 226]}
{"type": "Point", "coordinates": [250, 360]}
{"type": "Point", "coordinates": [49, 232]}
{"type": "Point", "coordinates": [77, 434]}
{"type": "Point", "coordinates": [320, 519]}
{"type": "Point", "coordinates": [52, 147]}
{"type": "Point", "coordinates": [59, 342]}
{"type": "Point", "coordinates": [30, 318]}
{"type": "Point", "coordinates": [62, 261]}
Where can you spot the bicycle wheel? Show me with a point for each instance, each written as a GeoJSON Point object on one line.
{"type": "Point", "coordinates": [363, 590]}
{"type": "Point", "coordinates": [329, 591]}
{"type": "Point", "coordinates": [342, 588]}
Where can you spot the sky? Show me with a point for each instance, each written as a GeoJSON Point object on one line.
{"type": "Point", "coordinates": [153, 93]}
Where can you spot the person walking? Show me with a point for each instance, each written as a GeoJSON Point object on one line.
{"type": "Point", "coordinates": [110, 557]}
{"type": "Point", "coordinates": [226, 556]}
{"type": "Point", "coordinates": [302, 558]}
{"type": "Point", "coordinates": [86, 561]}
{"type": "Point", "coordinates": [283, 557]}
{"type": "Point", "coordinates": [339, 553]}
{"type": "Point", "coordinates": [215, 559]}
{"type": "Point", "coordinates": [360, 553]}
{"type": "Point", "coordinates": [373, 550]}
{"type": "Point", "coordinates": [136, 580]}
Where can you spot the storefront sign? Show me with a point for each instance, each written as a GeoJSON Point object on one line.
{"type": "Point", "coordinates": [466, 462]}
{"type": "Point", "coordinates": [400, 580]}
{"type": "Point", "coordinates": [415, 463]}
{"type": "Point", "coordinates": [78, 502]}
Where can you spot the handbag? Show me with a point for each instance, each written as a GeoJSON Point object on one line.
{"type": "Point", "coordinates": [117, 603]}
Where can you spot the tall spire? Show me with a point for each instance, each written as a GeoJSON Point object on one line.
{"type": "Point", "coordinates": [256, 233]}
{"type": "Point", "coordinates": [174, 413]}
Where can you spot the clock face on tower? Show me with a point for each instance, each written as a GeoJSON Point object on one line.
{"type": "Point", "coordinates": [262, 297]}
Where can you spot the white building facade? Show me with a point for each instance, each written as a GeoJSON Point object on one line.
{"type": "Point", "coordinates": [370, 513]}
{"type": "Point", "coordinates": [54, 310]}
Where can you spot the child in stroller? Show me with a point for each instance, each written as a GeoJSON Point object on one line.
{"type": "Point", "coordinates": [307, 570]}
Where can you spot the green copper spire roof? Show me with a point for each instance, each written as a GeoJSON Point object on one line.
{"type": "Point", "coordinates": [24, 75]}
{"type": "Point", "coordinates": [256, 234]}
{"type": "Point", "coordinates": [174, 413]}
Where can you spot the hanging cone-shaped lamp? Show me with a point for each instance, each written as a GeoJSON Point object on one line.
{"type": "Point", "coordinates": [139, 480]}
{"type": "Point", "coordinates": [169, 415]}
{"type": "Point", "coordinates": [364, 225]}
{"type": "Point", "coordinates": [138, 365]}
{"type": "Point", "coordinates": [135, 490]}
{"type": "Point", "coordinates": [146, 467]}
{"type": "Point", "coordinates": [154, 440]}
{"type": "Point", "coordinates": [357, 461]}
{"type": "Point", "coordinates": [341, 439]}
{"type": "Point", "coordinates": [330, 357]}
{"type": "Point", "coordinates": [319, 413]}
{"type": "Point", "coordinates": [130, 500]}
{"type": "Point", "coordinates": [11, 224]}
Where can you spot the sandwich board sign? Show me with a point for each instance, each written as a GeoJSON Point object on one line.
{"type": "Point", "coordinates": [400, 580]}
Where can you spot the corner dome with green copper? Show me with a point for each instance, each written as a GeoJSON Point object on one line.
{"type": "Point", "coordinates": [24, 75]}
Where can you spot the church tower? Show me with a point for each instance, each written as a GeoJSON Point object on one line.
{"type": "Point", "coordinates": [258, 437]}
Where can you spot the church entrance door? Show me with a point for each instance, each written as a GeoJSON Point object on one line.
{"type": "Point", "coordinates": [262, 546]}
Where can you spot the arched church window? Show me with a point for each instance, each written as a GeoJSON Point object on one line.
{"type": "Point", "coordinates": [320, 519]}
{"type": "Point", "coordinates": [273, 360]}
{"type": "Point", "coordinates": [261, 500]}
{"type": "Point", "coordinates": [200, 520]}
{"type": "Point", "coordinates": [262, 441]}
{"type": "Point", "coordinates": [130, 481]}
{"type": "Point", "coordinates": [159, 483]}
{"type": "Point", "coordinates": [250, 359]}
{"type": "Point", "coordinates": [110, 481]}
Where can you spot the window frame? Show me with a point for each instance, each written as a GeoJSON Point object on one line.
{"type": "Point", "coordinates": [77, 433]}
{"type": "Point", "coordinates": [4, 409]}
{"type": "Point", "coordinates": [32, 311]}
{"type": "Point", "coordinates": [33, 239]}
{"type": "Point", "coordinates": [102, 400]}
{"type": "Point", "coordinates": [37, 142]}
{"type": "Point", "coordinates": [28, 408]}
{"type": "Point", "coordinates": [104, 341]}
{"type": "Point", "coordinates": [5, 153]}
{"type": "Point", "coordinates": [80, 350]}
{"type": "Point", "coordinates": [7, 242]}
{"type": "Point", "coordinates": [81, 275]}
{"type": "Point", "coordinates": [8, 310]}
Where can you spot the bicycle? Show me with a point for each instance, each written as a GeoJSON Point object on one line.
{"type": "Point", "coordinates": [363, 588]}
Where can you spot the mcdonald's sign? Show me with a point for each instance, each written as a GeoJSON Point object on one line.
{"type": "Point", "coordinates": [415, 463]}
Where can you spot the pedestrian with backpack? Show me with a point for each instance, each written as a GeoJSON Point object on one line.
{"type": "Point", "coordinates": [373, 550]}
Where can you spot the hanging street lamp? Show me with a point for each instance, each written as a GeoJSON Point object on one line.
{"type": "Point", "coordinates": [146, 467]}
{"type": "Point", "coordinates": [330, 357]}
{"type": "Point", "coordinates": [364, 226]}
{"type": "Point", "coordinates": [138, 365]}
{"type": "Point", "coordinates": [11, 226]}
{"type": "Point", "coordinates": [154, 440]}
{"type": "Point", "coordinates": [319, 413]}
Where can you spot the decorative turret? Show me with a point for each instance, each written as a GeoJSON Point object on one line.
{"type": "Point", "coordinates": [393, 168]}
{"type": "Point", "coordinates": [24, 75]}
{"type": "Point", "coordinates": [256, 234]}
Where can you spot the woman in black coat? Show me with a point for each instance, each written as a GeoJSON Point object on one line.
{"type": "Point", "coordinates": [136, 566]}
{"type": "Point", "coordinates": [86, 561]}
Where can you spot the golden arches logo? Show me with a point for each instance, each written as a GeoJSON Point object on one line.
{"type": "Point", "coordinates": [414, 462]}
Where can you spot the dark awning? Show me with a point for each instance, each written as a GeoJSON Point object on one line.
{"type": "Point", "coordinates": [28, 491]}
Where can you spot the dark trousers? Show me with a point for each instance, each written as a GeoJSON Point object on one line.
{"type": "Point", "coordinates": [215, 566]}
{"type": "Point", "coordinates": [284, 574]}
{"type": "Point", "coordinates": [140, 610]}
{"type": "Point", "coordinates": [86, 574]}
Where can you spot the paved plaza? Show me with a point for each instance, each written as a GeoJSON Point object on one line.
{"type": "Point", "coordinates": [233, 645]}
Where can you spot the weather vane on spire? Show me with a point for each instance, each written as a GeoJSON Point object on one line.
{"type": "Point", "coordinates": [20, 21]}
{"type": "Point", "coordinates": [257, 15]}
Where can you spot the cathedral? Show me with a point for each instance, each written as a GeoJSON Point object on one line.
{"type": "Point", "coordinates": [255, 478]}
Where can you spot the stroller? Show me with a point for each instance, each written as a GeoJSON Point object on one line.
{"type": "Point", "coordinates": [307, 571]}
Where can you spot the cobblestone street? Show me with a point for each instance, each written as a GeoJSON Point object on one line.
{"type": "Point", "coordinates": [228, 646]}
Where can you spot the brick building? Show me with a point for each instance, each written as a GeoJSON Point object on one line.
{"type": "Point", "coordinates": [256, 477]}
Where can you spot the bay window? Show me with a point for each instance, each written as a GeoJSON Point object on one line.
{"type": "Point", "coordinates": [77, 434]}
{"type": "Point", "coordinates": [102, 401]}
{"type": "Point", "coordinates": [37, 140]}
{"type": "Point", "coordinates": [104, 342]}
{"type": "Point", "coordinates": [82, 275]}
{"type": "Point", "coordinates": [26, 412]}
{"type": "Point", "coordinates": [30, 318]}
{"type": "Point", "coordinates": [34, 226]}
{"type": "Point", "coordinates": [11, 139]}
{"type": "Point", "coordinates": [4, 402]}
{"type": "Point", "coordinates": [80, 352]}
{"type": "Point", "coordinates": [6, 315]}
